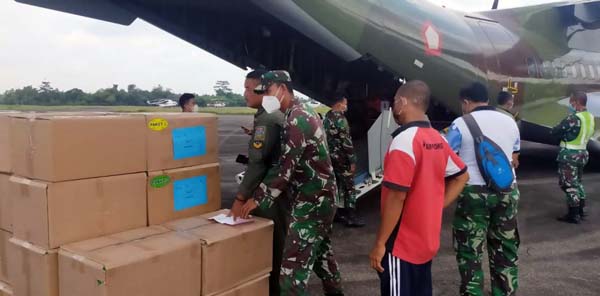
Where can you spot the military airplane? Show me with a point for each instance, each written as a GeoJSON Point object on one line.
{"type": "Point", "coordinates": [367, 48]}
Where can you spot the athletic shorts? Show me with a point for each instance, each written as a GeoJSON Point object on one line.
{"type": "Point", "coordinates": [401, 278]}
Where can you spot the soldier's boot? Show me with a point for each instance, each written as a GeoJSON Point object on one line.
{"type": "Point", "coordinates": [334, 294]}
{"type": "Point", "coordinates": [571, 217]}
{"type": "Point", "coordinates": [582, 213]}
{"type": "Point", "coordinates": [353, 219]}
{"type": "Point", "coordinates": [340, 216]}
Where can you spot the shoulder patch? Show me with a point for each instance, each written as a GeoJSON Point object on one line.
{"type": "Point", "coordinates": [259, 133]}
{"type": "Point", "coordinates": [257, 144]}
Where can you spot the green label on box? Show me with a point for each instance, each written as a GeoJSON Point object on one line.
{"type": "Point", "coordinates": [160, 181]}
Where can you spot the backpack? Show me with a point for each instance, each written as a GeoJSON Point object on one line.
{"type": "Point", "coordinates": [494, 166]}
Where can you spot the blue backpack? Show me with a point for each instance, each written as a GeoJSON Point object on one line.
{"type": "Point", "coordinates": [494, 166]}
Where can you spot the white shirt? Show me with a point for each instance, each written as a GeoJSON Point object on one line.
{"type": "Point", "coordinates": [497, 126]}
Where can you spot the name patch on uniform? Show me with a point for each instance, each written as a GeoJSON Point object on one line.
{"type": "Point", "coordinates": [259, 133]}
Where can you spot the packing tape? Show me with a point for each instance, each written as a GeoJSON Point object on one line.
{"type": "Point", "coordinates": [30, 150]}
{"type": "Point", "coordinates": [104, 203]}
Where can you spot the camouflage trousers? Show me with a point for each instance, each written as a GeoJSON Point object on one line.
{"type": "Point", "coordinates": [308, 248]}
{"type": "Point", "coordinates": [485, 216]}
{"type": "Point", "coordinates": [346, 197]}
{"type": "Point", "coordinates": [570, 171]}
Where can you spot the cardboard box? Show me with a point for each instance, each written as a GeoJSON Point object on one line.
{"type": "Point", "coordinates": [69, 147]}
{"type": "Point", "coordinates": [52, 214]}
{"type": "Point", "coordinates": [5, 204]}
{"type": "Point", "coordinates": [177, 140]}
{"type": "Point", "coordinates": [150, 261]}
{"type": "Point", "coordinates": [33, 270]}
{"type": "Point", "coordinates": [4, 253]}
{"type": "Point", "coordinates": [5, 289]}
{"type": "Point", "coordinates": [257, 287]}
{"type": "Point", "coordinates": [5, 161]}
{"type": "Point", "coordinates": [225, 250]}
{"type": "Point", "coordinates": [181, 193]}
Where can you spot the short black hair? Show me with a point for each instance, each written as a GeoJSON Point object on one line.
{"type": "Point", "coordinates": [580, 97]}
{"type": "Point", "coordinates": [475, 92]}
{"type": "Point", "coordinates": [338, 97]}
{"type": "Point", "coordinates": [417, 91]}
{"type": "Point", "coordinates": [288, 85]}
{"type": "Point", "coordinates": [185, 98]}
{"type": "Point", "coordinates": [504, 97]}
{"type": "Point", "coordinates": [256, 74]}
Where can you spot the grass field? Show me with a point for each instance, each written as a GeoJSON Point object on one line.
{"type": "Point", "coordinates": [219, 111]}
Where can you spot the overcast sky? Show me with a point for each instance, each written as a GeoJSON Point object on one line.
{"type": "Point", "coordinates": [75, 52]}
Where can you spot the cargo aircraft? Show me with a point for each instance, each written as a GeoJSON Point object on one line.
{"type": "Point", "coordinates": [367, 48]}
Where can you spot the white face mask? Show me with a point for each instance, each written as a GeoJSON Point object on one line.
{"type": "Point", "coordinates": [271, 103]}
{"type": "Point", "coordinates": [195, 109]}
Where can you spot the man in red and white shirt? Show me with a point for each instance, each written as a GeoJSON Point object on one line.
{"type": "Point", "coordinates": [422, 175]}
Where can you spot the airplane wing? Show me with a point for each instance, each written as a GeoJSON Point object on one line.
{"type": "Point", "coordinates": [247, 33]}
{"type": "Point", "coordinates": [98, 9]}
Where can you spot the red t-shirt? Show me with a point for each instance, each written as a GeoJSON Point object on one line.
{"type": "Point", "coordinates": [418, 162]}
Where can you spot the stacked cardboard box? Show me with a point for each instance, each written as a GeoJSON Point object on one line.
{"type": "Point", "coordinates": [5, 206]}
{"type": "Point", "coordinates": [79, 176]}
{"type": "Point", "coordinates": [183, 169]}
{"type": "Point", "coordinates": [193, 256]}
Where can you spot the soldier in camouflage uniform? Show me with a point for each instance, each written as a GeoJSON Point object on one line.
{"type": "Point", "coordinates": [574, 131]}
{"type": "Point", "coordinates": [342, 156]}
{"type": "Point", "coordinates": [305, 170]}
{"type": "Point", "coordinates": [484, 217]}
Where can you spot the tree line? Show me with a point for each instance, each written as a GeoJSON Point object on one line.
{"type": "Point", "coordinates": [46, 95]}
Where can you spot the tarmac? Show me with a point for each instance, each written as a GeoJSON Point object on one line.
{"type": "Point", "coordinates": [555, 258]}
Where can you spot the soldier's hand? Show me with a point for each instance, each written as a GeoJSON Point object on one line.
{"type": "Point", "coordinates": [376, 256]}
{"type": "Point", "coordinates": [236, 209]}
{"type": "Point", "coordinates": [353, 168]}
{"type": "Point", "coordinates": [248, 208]}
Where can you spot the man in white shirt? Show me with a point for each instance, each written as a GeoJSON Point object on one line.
{"type": "Point", "coordinates": [483, 214]}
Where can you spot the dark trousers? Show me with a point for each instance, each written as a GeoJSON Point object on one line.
{"type": "Point", "coordinates": [279, 214]}
{"type": "Point", "coordinates": [401, 278]}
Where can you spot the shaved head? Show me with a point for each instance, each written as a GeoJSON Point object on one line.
{"type": "Point", "coordinates": [416, 92]}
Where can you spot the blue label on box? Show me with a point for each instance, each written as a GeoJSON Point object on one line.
{"type": "Point", "coordinates": [189, 142]}
{"type": "Point", "coordinates": [189, 193]}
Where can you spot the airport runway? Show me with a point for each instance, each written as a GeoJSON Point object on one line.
{"type": "Point", "coordinates": [555, 258]}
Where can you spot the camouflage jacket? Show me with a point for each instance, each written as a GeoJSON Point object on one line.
{"type": "Point", "coordinates": [339, 140]}
{"type": "Point", "coordinates": [568, 128]}
{"type": "Point", "coordinates": [304, 167]}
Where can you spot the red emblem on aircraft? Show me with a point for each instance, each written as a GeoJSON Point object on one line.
{"type": "Point", "coordinates": [432, 40]}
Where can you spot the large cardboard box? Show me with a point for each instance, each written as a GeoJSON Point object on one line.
{"type": "Point", "coordinates": [5, 161]}
{"type": "Point", "coordinates": [33, 270]}
{"type": "Point", "coordinates": [225, 250]}
{"type": "Point", "coordinates": [181, 193]}
{"type": "Point", "coordinates": [178, 140]}
{"type": "Point", "coordinates": [257, 287]}
{"type": "Point", "coordinates": [5, 289]}
{"type": "Point", "coordinates": [4, 254]}
{"type": "Point", "coordinates": [5, 203]}
{"type": "Point", "coordinates": [150, 261]}
{"type": "Point", "coordinates": [52, 214]}
{"type": "Point", "coordinates": [69, 147]}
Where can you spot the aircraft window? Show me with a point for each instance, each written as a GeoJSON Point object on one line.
{"type": "Point", "coordinates": [592, 73]}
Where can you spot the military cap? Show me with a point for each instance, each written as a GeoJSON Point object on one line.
{"type": "Point", "coordinates": [277, 76]}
